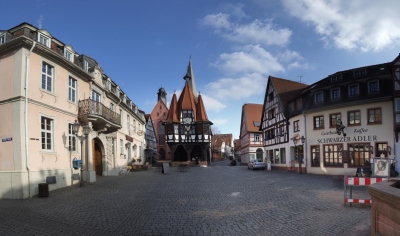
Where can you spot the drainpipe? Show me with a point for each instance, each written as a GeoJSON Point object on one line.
{"type": "Point", "coordinates": [26, 116]}
{"type": "Point", "coordinates": [305, 148]}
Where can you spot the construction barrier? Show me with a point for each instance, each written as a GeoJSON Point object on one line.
{"type": "Point", "coordinates": [349, 182]}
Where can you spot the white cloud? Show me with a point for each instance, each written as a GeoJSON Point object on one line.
{"type": "Point", "coordinates": [212, 104]}
{"type": "Point", "coordinates": [351, 25]}
{"type": "Point", "coordinates": [294, 60]}
{"type": "Point", "coordinates": [235, 10]}
{"type": "Point", "coordinates": [262, 32]}
{"type": "Point", "coordinates": [252, 59]}
{"type": "Point", "coordinates": [236, 89]}
{"type": "Point", "coordinates": [219, 121]}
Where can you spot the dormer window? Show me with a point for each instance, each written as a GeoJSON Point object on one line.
{"type": "Point", "coordinates": [291, 106]}
{"type": "Point", "coordinates": [336, 78]}
{"type": "Point", "coordinates": [299, 104]}
{"type": "Point", "coordinates": [2, 38]}
{"type": "Point", "coordinates": [360, 73]}
{"type": "Point", "coordinates": [319, 98]}
{"type": "Point", "coordinates": [44, 39]}
{"type": "Point", "coordinates": [86, 66]}
{"type": "Point", "coordinates": [256, 124]}
{"type": "Point", "coordinates": [354, 90]}
{"type": "Point", "coordinates": [373, 87]}
{"type": "Point", "coordinates": [335, 94]}
{"type": "Point", "coordinates": [69, 55]}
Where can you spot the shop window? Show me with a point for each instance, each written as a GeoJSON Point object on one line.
{"type": "Point", "coordinates": [354, 117]}
{"type": "Point", "coordinates": [333, 118]}
{"type": "Point", "coordinates": [359, 154]}
{"type": "Point", "coordinates": [277, 156]}
{"type": "Point", "coordinates": [318, 122]}
{"type": "Point", "coordinates": [283, 156]}
{"type": "Point", "coordinates": [375, 116]}
{"type": "Point", "coordinates": [381, 150]}
{"type": "Point", "coordinates": [315, 155]}
{"type": "Point", "coordinates": [333, 155]}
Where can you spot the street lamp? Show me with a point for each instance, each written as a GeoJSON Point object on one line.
{"type": "Point", "coordinates": [295, 141]}
{"type": "Point", "coordinates": [86, 131]}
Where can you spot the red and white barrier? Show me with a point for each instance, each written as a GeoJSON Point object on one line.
{"type": "Point", "coordinates": [358, 181]}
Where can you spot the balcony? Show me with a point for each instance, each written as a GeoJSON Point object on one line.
{"type": "Point", "coordinates": [102, 118]}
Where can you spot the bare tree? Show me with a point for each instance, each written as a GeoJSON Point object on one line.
{"type": "Point", "coordinates": [215, 130]}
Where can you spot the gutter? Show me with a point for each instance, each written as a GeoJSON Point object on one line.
{"type": "Point", "coordinates": [305, 146]}
{"type": "Point", "coordinates": [26, 116]}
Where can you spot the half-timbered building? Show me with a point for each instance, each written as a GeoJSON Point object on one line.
{"type": "Point", "coordinates": [251, 138]}
{"type": "Point", "coordinates": [275, 122]}
{"type": "Point", "coordinates": [187, 127]}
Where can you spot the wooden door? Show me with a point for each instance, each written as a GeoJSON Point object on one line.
{"type": "Point", "coordinates": [97, 158]}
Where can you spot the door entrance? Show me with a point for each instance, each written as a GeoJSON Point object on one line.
{"type": "Point", "coordinates": [97, 158]}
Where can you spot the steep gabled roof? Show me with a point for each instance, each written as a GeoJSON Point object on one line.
{"type": "Point", "coordinates": [201, 114]}
{"type": "Point", "coordinates": [172, 116]}
{"type": "Point", "coordinates": [287, 89]}
{"type": "Point", "coordinates": [251, 113]}
{"type": "Point", "coordinates": [187, 100]}
{"type": "Point", "coordinates": [189, 77]}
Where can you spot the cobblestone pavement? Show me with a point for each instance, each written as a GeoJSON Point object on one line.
{"type": "Point", "coordinates": [220, 200]}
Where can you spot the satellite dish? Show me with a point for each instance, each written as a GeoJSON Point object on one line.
{"type": "Point", "coordinates": [140, 132]}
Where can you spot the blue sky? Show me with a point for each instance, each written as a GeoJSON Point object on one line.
{"type": "Point", "coordinates": [235, 45]}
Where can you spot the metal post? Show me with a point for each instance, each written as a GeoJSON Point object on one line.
{"type": "Point", "coordinates": [82, 184]}
{"type": "Point", "coordinates": [300, 161]}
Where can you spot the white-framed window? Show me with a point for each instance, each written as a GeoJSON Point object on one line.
{"type": "Point", "coordinates": [69, 55]}
{"type": "Point", "coordinates": [354, 90]}
{"type": "Point", "coordinates": [71, 138]}
{"type": "Point", "coordinates": [397, 104]}
{"type": "Point", "coordinates": [128, 122]}
{"type": "Point", "coordinates": [44, 40]}
{"type": "Point", "coordinates": [112, 107]}
{"type": "Point", "coordinates": [46, 129]}
{"type": "Point", "coordinates": [319, 97]}
{"type": "Point", "coordinates": [373, 87]}
{"type": "Point", "coordinates": [120, 114]}
{"type": "Point", "coordinates": [2, 38]}
{"type": "Point", "coordinates": [95, 96]}
{"type": "Point", "coordinates": [86, 66]}
{"type": "Point", "coordinates": [121, 147]}
{"type": "Point", "coordinates": [134, 126]}
{"type": "Point", "coordinates": [335, 93]}
{"type": "Point", "coordinates": [47, 77]}
{"type": "Point", "coordinates": [72, 89]}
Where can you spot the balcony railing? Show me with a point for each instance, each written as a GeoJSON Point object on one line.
{"type": "Point", "coordinates": [91, 107]}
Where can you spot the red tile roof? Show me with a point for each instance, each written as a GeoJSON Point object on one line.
{"type": "Point", "coordinates": [252, 112]}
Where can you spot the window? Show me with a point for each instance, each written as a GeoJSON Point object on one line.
{"type": "Point", "coordinates": [69, 55]}
{"type": "Point", "coordinates": [354, 117]}
{"type": "Point", "coordinates": [44, 40]}
{"type": "Point", "coordinates": [333, 155]}
{"type": "Point", "coordinates": [319, 98]}
{"type": "Point", "coordinates": [47, 77]}
{"type": "Point", "coordinates": [271, 114]}
{"type": "Point", "coordinates": [373, 87]}
{"type": "Point", "coordinates": [71, 138]}
{"type": "Point", "coordinates": [296, 126]}
{"type": "Point", "coordinates": [72, 89]}
{"type": "Point", "coordinates": [382, 150]}
{"type": "Point", "coordinates": [47, 133]}
{"type": "Point", "coordinates": [256, 124]}
{"type": "Point", "coordinates": [121, 147]}
{"type": "Point", "coordinates": [271, 96]}
{"type": "Point", "coordinates": [374, 116]}
{"type": "Point", "coordinates": [134, 125]}
{"type": "Point", "coordinates": [128, 122]}
{"type": "Point", "coordinates": [2, 38]}
{"type": "Point", "coordinates": [336, 78]}
{"type": "Point", "coordinates": [283, 156]}
{"type": "Point", "coordinates": [257, 138]}
{"type": "Point", "coordinates": [161, 132]}
{"type": "Point", "coordinates": [335, 93]}
{"type": "Point", "coordinates": [299, 104]}
{"type": "Point", "coordinates": [333, 118]}
{"type": "Point", "coordinates": [354, 90]}
{"type": "Point", "coordinates": [112, 107]}
{"type": "Point", "coordinates": [270, 134]}
{"type": "Point", "coordinates": [397, 104]}
{"type": "Point", "coordinates": [318, 122]}
{"type": "Point", "coordinates": [95, 96]}
{"type": "Point", "coordinates": [86, 66]}
{"type": "Point", "coordinates": [315, 160]}
{"type": "Point", "coordinates": [120, 116]}
{"type": "Point", "coordinates": [291, 106]}
{"type": "Point", "coordinates": [359, 154]}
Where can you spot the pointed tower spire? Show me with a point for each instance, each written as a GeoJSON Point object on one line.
{"type": "Point", "coordinates": [189, 77]}
{"type": "Point", "coordinates": [162, 95]}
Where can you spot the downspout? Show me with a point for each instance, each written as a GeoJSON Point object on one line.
{"type": "Point", "coordinates": [26, 117]}
{"type": "Point", "coordinates": [305, 148]}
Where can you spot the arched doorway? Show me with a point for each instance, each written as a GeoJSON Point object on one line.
{"type": "Point", "coordinates": [162, 154]}
{"type": "Point", "coordinates": [259, 154]}
{"type": "Point", "coordinates": [180, 154]}
{"type": "Point", "coordinates": [197, 152]}
{"type": "Point", "coordinates": [97, 157]}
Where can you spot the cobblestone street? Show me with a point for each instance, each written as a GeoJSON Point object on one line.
{"type": "Point", "coordinates": [220, 200]}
